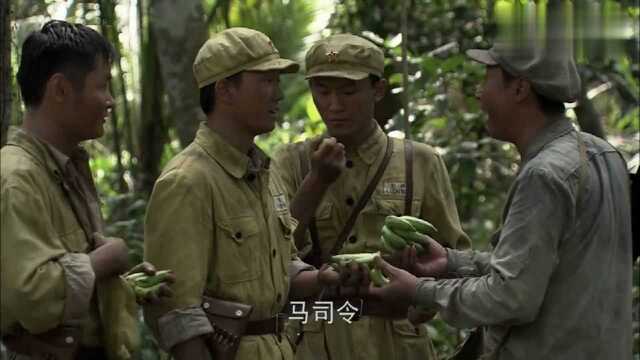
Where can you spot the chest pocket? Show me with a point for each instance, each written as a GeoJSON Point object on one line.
{"type": "Point", "coordinates": [238, 247]}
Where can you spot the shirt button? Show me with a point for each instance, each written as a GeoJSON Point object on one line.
{"type": "Point", "coordinates": [353, 238]}
{"type": "Point", "coordinates": [238, 235]}
{"type": "Point", "coordinates": [279, 297]}
{"type": "Point", "coordinates": [251, 177]}
{"type": "Point", "coordinates": [349, 164]}
{"type": "Point", "coordinates": [273, 253]}
{"type": "Point", "coordinates": [350, 201]}
{"type": "Point", "coordinates": [69, 340]}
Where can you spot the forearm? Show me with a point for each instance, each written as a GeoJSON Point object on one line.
{"type": "Point", "coordinates": [461, 263]}
{"type": "Point", "coordinates": [305, 285]}
{"type": "Point", "coordinates": [306, 201]}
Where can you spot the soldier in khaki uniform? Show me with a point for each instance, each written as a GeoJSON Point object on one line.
{"type": "Point", "coordinates": [328, 177]}
{"type": "Point", "coordinates": [557, 284]}
{"type": "Point", "coordinates": [219, 216]}
{"type": "Point", "coordinates": [57, 268]}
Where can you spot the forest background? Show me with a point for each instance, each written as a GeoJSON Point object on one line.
{"type": "Point", "coordinates": [430, 97]}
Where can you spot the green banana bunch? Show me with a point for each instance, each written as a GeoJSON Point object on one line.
{"type": "Point", "coordinates": [144, 285]}
{"type": "Point", "coordinates": [399, 232]}
{"type": "Point", "coordinates": [367, 260]}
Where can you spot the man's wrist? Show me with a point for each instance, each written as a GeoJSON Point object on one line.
{"type": "Point", "coordinates": [315, 182]}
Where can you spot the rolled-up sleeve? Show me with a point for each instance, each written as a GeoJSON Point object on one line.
{"type": "Point", "coordinates": [180, 325]}
{"type": "Point", "coordinates": [79, 284]}
{"type": "Point", "coordinates": [461, 263]}
{"type": "Point", "coordinates": [33, 288]}
{"type": "Point", "coordinates": [179, 236]}
{"type": "Point", "coordinates": [520, 266]}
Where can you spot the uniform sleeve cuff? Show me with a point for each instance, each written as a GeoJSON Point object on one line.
{"type": "Point", "coordinates": [297, 266]}
{"type": "Point", "coordinates": [425, 295]}
{"type": "Point", "coordinates": [460, 262]}
{"type": "Point", "coordinates": [180, 325]}
{"type": "Point", "coordinates": [79, 284]}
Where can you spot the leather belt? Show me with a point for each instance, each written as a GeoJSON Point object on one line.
{"type": "Point", "coordinates": [273, 325]}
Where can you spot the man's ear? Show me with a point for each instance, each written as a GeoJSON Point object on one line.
{"type": "Point", "coordinates": [379, 88]}
{"type": "Point", "coordinates": [522, 89]}
{"type": "Point", "coordinates": [58, 87]}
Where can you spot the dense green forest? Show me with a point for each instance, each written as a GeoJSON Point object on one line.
{"type": "Point", "coordinates": [430, 97]}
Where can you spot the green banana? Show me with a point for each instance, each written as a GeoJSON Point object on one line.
{"type": "Point", "coordinates": [411, 237]}
{"type": "Point", "coordinates": [394, 240]}
{"type": "Point", "coordinates": [377, 277]}
{"type": "Point", "coordinates": [360, 258]}
{"type": "Point", "coordinates": [143, 280]}
{"type": "Point", "coordinates": [387, 249]}
{"type": "Point", "coordinates": [398, 224]}
{"type": "Point", "coordinates": [364, 259]}
{"type": "Point", "coordinates": [143, 293]}
{"type": "Point", "coordinates": [420, 225]}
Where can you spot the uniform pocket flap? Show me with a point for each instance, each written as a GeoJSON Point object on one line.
{"type": "Point", "coordinates": [239, 228]}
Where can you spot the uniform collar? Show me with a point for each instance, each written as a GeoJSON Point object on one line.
{"type": "Point", "coordinates": [231, 159]}
{"type": "Point", "coordinates": [552, 131]}
{"type": "Point", "coordinates": [56, 162]}
{"type": "Point", "coordinates": [371, 148]}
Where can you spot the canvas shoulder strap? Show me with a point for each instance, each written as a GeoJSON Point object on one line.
{"type": "Point", "coordinates": [408, 176]}
{"type": "Point", "coordinates": [364, 198]}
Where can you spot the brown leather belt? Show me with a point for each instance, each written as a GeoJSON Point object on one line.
{"type": "Point", "coordinates": [273, 325]}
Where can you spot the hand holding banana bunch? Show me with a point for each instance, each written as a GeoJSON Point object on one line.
{"type": "Point", "coordinates": [365, 260]}
{"type": "Point", "coordinates": [148, 284]}
{"type": "Point", "coordinates": [398, 232]}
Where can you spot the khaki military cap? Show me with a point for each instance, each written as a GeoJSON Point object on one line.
{"type": "Point", "coordinates": [345, 56]}
{"type": "Point", "coordinates": [234, 50]}
{"type": "Point", "coordinates": [551, 72]}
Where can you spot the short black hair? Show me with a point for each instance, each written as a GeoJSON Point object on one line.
{"type": "Point", "coordinates": [59, 46]}
{"type": "Point", "coordinates": [548, 106]}
{"type": "Point", "coordinates": [208, 93]}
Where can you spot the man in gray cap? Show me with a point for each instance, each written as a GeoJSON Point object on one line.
{"type": "Point", "coordinates": [219, 218]}
{"type": "Point", "coordinates": [557, 284]}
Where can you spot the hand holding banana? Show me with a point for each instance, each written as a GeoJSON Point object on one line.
{"type": "Point", "coordinates": [366, 260]}
{"type": "Point", "coordinates": [149, 288]}
{"type": "Point", "coordinates": [398, 232]}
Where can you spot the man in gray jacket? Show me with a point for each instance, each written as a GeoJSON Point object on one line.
{"type": "Point", "coordinates": [557, 283]}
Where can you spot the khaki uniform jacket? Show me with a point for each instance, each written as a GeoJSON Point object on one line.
{"type": "Point", "coordinates": [220, 220]}
{"type": "Point", "coordinates": [433, 200]}
{"type": "Point", "coordinates": [47, 279]}
{"type": "Point", "coordinates": [557, 285]}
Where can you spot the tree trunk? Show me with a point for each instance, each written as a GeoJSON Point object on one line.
{"type": "Point", "coordinates": [183, 30]}
{"type": "Point", "coordinates": [108, 26]}
{"type": "Point", "coordinates": [5, 70]}
{"type": "Point", "coordinates": [153, 132]}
